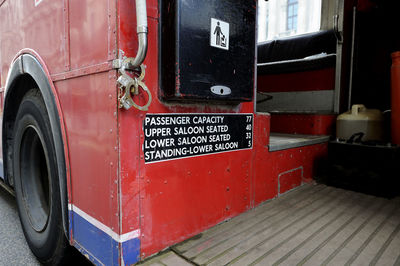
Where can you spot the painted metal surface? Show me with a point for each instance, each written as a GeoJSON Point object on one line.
{"type": "Point", "coordinates": [173, 200]}
{"type": "Point", "coordinates": [300, 91]}
{"type": "Point", "coordinates": [121, 209]}
{"type": "Point", "coordinates": [88, 24]}
{"type": "Point", "coordinates": [92, 135]}
{"type": "Point", "coordinates": [315, 80]}
{"type": "Point", "coordinates": [309, 124]}
{"type": "Point", "coordinates": [269, 168]}
{"type": "Point", "coordinates": [23, 26]}
{"type": "Point", "coordinates": [395, 99]}
{"type": "Point", "coordinates": [85, 87]}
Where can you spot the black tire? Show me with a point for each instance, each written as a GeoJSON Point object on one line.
{"type": "Point", "coordinates": [36, 181]}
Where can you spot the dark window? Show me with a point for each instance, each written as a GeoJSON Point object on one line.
{"type": "Point", "coordinates": [292, 8]}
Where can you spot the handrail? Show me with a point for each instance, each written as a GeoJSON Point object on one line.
{"type": "Point", "coordinates": [141, 18]}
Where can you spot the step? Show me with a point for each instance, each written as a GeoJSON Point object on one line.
{"type": "Point", "coordinates": [281, 141]}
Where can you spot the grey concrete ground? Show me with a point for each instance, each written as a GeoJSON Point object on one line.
{"type": "Point", "coordinates": [13, 248]}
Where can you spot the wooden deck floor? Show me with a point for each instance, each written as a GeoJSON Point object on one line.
{"type": "Point", "coordinates": [312, 225]}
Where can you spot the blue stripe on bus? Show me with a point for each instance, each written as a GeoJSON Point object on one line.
{"type": "Point", "coordinates": [101, 247]}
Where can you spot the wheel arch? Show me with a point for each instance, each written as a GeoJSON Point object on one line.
{"type": "Point", "coordinates": [27, 72]}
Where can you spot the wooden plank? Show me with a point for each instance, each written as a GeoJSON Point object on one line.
{"type": "Point", "coordinates": [284, 202]}
{"type": "Point", "coordinates": [322, 254]}
{"type": "Point", "coordinates": [268, 226]}
{"type": "Point", "coordinates": [175, 260]}
{"type": "Point", "coordinates": [166, 259]}
{"type": "Point", "coordinates": [260, 253]}
{"type": "Point", "coordinates": [392, 252]}
{"type": "Point", "coordinates": [328, 253]}
{"type": "Point", "coordinates": [343, 211]}
{"type": "Point", "coordinates": [314, 225]}
{"type": "Point", "coordinates": [378, 238]}
{"type": "Point", "coordinates": [312, 245]}
{"type": "Point", "coordinates": [378, 256]}
{"type": "Point", "coordinates": [256, 222]}
{"type": "Point", "coordinates": [357, 238]}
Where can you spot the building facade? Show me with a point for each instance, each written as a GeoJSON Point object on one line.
{"type": "Point", "coordinates": [283, 18]}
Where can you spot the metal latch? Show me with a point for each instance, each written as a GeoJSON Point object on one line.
{"type": "Point", "coordinates": [129, 85]}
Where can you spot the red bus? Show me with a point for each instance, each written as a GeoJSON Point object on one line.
{"type": "Point", "coordinates": [129, 126]}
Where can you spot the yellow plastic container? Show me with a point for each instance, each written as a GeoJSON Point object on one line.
{"type": "Point", "coordinates": [360, 119]}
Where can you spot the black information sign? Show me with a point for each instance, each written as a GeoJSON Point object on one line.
{"type": "Point", "coordinates": [173, 136]}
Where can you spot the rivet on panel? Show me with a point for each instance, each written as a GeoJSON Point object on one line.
{"type": "Point", "coordinates": [165, 182]}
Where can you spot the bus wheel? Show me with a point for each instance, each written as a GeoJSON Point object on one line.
{"type": "Point", "coordinates": [36, 181]}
